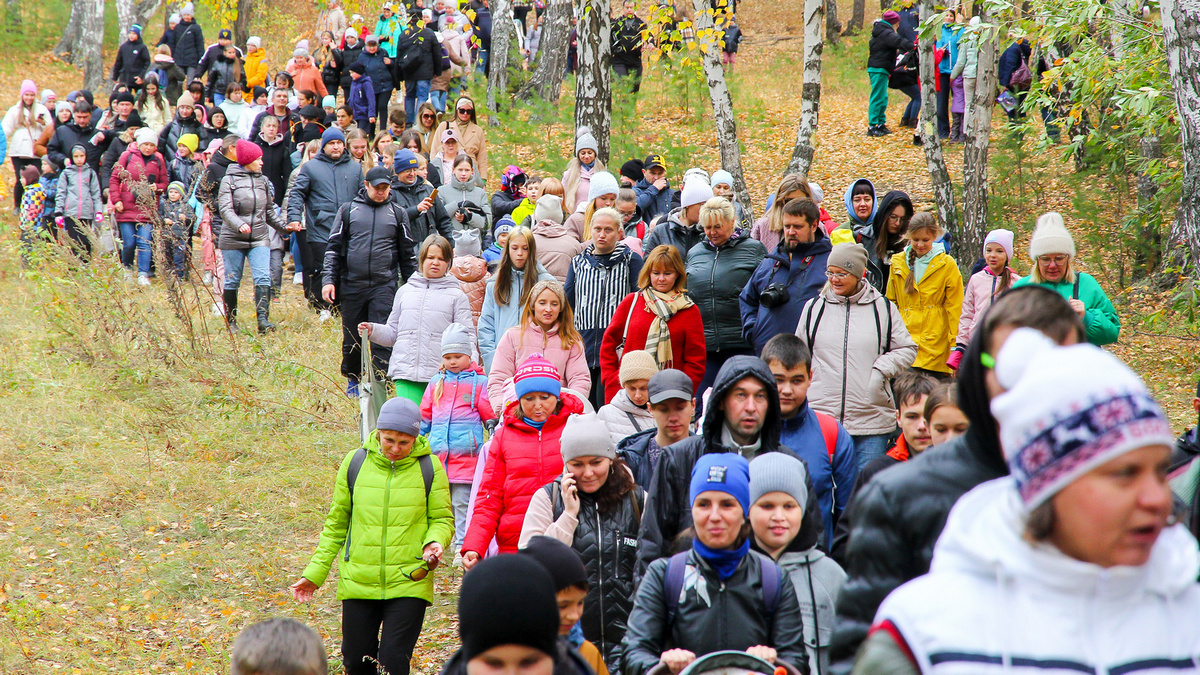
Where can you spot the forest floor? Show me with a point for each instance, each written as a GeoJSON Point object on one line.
{"type": "Point", "coordinates": [161, 483]}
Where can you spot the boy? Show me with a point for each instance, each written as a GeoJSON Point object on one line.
{"type": "Point", "coordinates": [673, 405]}
{"type": "Point", "coordinates": [533, 190]}
{"type": "Point", "coordinates": [654, 190]}
{"type": "Point", "coordinates": [628, 413]}
{"type": "Point", "coordinates": [362, 98]}
{"type": "Point", "coordinates": [911, 389]}
{"type": "Point", "coordinates": [278, 646]}
{"type": "Point", "coordinates": [492, 255]}
{"type": "Point", "coordinates": [32, 202]}
{"type": "Point", "coordinates": [815, 437]}
{"type": "Point", "coordinates": [179, 221]}
{"type": "Point", "coordinates": [396, 120]}
{"type": "Point", "coordinates": [571, 587]}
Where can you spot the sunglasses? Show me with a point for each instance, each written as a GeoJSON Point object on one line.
{"type": "Point", "coordinates": [427, 116]}
{"type": "Point", "coordinates": [465, 111]}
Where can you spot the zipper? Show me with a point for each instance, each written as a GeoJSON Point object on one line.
{"type": "Point", "coordinates": [370, 258]}
{"type": "Point", "coordinates": [712, 297]}
{"type": "Point", "coordinates": [387, 492]}
{"type": "Point", "coordinates": [845, 346]}
{"type": "Point", "coordinates": [600, 568]}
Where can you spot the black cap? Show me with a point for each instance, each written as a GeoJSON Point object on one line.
{"type": "Point", "coordinates": [124, 97]}
{"type": "Point", "coordinates": [668, 384]}
{"type": "Point", "coordinates": [653, 161]}
{"type": "Point", "coordinates": [378, 176]}
{"type": "Point", "coordinates": [507, 599]}
{"type": "Point", "coordinates": [632, 169]}
{"type": "Point", "coordinates": [560, 560]}
{"type": "Point", "coordinates": [312, 112]}
{"type": "Point", "coordinates": [225, 34]}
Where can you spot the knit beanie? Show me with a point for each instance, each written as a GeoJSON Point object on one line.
{"type": "Point", "coordinates": [891, 16]}
{"type": "Point", "coordinates": [696, 172]}
{"type": "Point", "coordinates": [508, 600]}
{"type": "Point", "coordinates": [136, 29]}
{"type": "Point", "coordinates": [188, 9]}
{"type": "Point", "coordinates": [561, 561]}
{"type": "Point", "coordinates": [1066, 411]}
{"type": "Point", "coordinates": [549, 207]}
{"type": "Point", "coordinates": [61, 106]}
{"type": "Point", "coordinates": [299, 53]}
{"type": "Point", "coordinates": [350, 32]}
{"type": "Point", "coordinates": [721, 177]}
{"type": "Point", "coordinates": [632, 170]}
{"type": "Point", "coordinates": [537, 374]}
{"type": "Point", "coordinates": [247, 152]}
{"type": "Point", "coordinates": [636, 364]}
{"type": "Point", "coordinates": [404, 160]}
{"type": "Point", "coordinates": [457, 339]}
{"type": "Point", "coordinates": [302, 44]}
{"type": "Point", "coordinates": [603, 183]}
{"type": "Point", "coordinates": [174, 18]}
{"type": "Point", "coordinates": [330, 135]}
{"type": "Point", "coordinates": [189, 141]}
{"type": "Point", "coordinates": [30, 174]}
{"type": "Point", "coordinates": [358, 67]}
{"type": "Point", "coordinates": [586, 436]}
{"type": "Point", "coordinates": [466, 243]}
{"type": "Point", "coordinates": [177, 186]}
{"type": "Point", "coordinates": [146, 135]}
{"type": "Point", "coordinates": [504, 225]}
{"type": "Point", "coordinates": [584, 140]}
{"type": "Point", "coordinates": [695, 191]}
{"type": "Point", "coordinates": [1002, 237]}
{"type": "Point", "coordinates": [850, 257]}
{"type": "Point", "coordinates": [1051, 236]}
{"type": "Point", "coordinates": [778, 472]}
{"type": "Point", "coordinates": [329, 101]}
{"type": "Point", "coordinates": [254, 41]}
{"type": "Point", "coordinates": [726, 472]}
{"type": "Point", "coordinates": [185, 99]}
{"type": "Point", "coordinates": [818, 195]}
{"type": "Point", "coordinates": [400, 414]}
{"type": "Point", "coordinates": [124, 97]}
{"type": "Point", "coordinates": [28, 87]}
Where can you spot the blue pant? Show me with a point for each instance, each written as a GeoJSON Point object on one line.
{"type": "Point", "coordinates": [295, 249]}
{"type": "Point", "coordinates": [178, 250]}
{"type": "Point", "coordinates": [866, 448]}
{"type": "Point", "coordinates": [235, 261]}
{"type": "Point", "coordinates": [414, 93]}
{"type": "Point", "coordinates": [136, 235]}
{"type": "Point", "coordinates": [438, 99]}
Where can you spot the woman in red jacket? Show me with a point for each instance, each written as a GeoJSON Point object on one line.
{"type": "Point", "coordinates": [524, 455]}
{"type": "Point", "coordinates": [660, 318]}
{"type": "Point", "coordinates": [139, 178]}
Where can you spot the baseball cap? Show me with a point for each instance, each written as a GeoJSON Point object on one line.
{"type": "Point", "coordinates": [225, 34]}
{"type": "Point", "coordinates": [668, 384]}
{"type": "Point", "coordinates": [372, 38]}
{"type": "Point", "coordinates": [378, 176]}
{"type": "Point", "coordinates": [653, 161]}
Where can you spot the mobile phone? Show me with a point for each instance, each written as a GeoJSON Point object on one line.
{"type": "Point", "coordinates": [433, 195]}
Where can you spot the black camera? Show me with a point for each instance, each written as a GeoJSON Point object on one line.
{"type": "Point", "coordinates": [774, 295]}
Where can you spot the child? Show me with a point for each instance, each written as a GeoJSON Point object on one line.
{"type": "Point", "coordinates": [453, 410]}
{"type": "Point", "coordinates": [578, 176]}
{"type": "Point", "coordinates": [547, 186]}
{"type": "Point", "coordinates": [179, 221]}
{"type": "Point", "coordinates": [511, 192]}
{"type": "Point", "coordinates": [278, 646]}
{"type": "Point", "coordinates": [533, 190]}
{"type": "Point", "coordinates": [602, 194]}
{"type": "Point", "coordinates": [927, 288]}
{"type": "Point", "coordinates": [470, 270]}
{"type": "Point", "coordinates": [945, 420]}
{"type": "Point", "coordinates": [362, 98]}
{"type": "Point", "coordinates": [492, 255]}
{"type": "Point", "coordinates": [629, 412]}
{"type": "Point", "coordinates": [777, 498]}
{"type": "Point", "coordinates": [732, 38]}
{"type": "Point", "coordinates": [78, 200]}
{"type": "Point", "coordinates": [828, 224]}
{"type": "Point", "coordinates": [32, 202]}
{"type": "Point", "coordinates": [911, 390]}
{"type": "Point", "coordinates": [983, 287]}
{"type": "Point", "coordinates": [184, 167]}
{"type": "Point", "coordinates": [571, 587]}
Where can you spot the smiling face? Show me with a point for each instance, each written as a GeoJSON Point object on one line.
{"type": "Point", "coordinates": [587, 156]}
{"type": "Point", "coordinates": [546, 308]}
{"type": "Point", "coordinates": [842, 282]}
{"type": "Point", "coordinates": [590, 473]}
{"type": "Point", "coordinates": [358, 148]}
{"type": "Point", "coordinates": [775, 519]}
{"type": "Point", "coordinates": [718, 519]}
{"type": "Point", "coordinates": [538, 405]}
{"type": "Point", "coordinates": [921, 241]}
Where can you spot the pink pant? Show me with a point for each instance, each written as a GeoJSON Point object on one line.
{"type": "Point", "coordinates": [211, 259]}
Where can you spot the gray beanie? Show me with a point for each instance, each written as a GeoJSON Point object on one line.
{"type": "Point", "coordinates": [778, 472]}
{"type": "Point", "coordinates": [457, 339]}
{"type": "Point", "coordinates": [850, 257]}
{"type": "Point", "coordinates": [586, 436]}
{"type": "Point", "coordinates": [466, 242]}
{"type": "Point", "coordinates": [400, 414]}
{"type": "Point", "coordinates": [584, 140]}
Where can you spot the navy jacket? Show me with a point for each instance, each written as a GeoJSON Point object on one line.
{"type": "Point", "coordinates": [653, 202]}
{"type": "Point", "coordinates": [804, 282]}
{"type": "Point", "coordinates": [833, 479]}
{"type": "Point", "coordinates": [1011, 59]}
{"type": "Point", "coordinates": [379, 72]}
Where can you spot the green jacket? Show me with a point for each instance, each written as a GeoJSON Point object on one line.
{"type": "Point", "coordinates": [389, 528]}
{"type": "Point", "coordinates": [1100, 319]}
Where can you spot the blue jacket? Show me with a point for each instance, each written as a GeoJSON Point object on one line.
{"type": "Point", "coordinates": [1011, 59]}
{"type": "Point", "coordinates": [804, 282]}
{"type": "Point", "coordinates": [834, 480]}
{"type": "Point", "coordinates": [948, 40]}
{"type": "Point", "coordinates": [491, 255]}
{"type": "Point", "coordinates": [653, 202]}
{"type": "Point", "coordinates": [379, 72]}
{"type": "Point", "coordinates": [461, 434]}
{"type": "Point", "coordinates": [362, 98]}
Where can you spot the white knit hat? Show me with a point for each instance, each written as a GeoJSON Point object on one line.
{"type": "Point", "coordinates": [695, 191]}
{"type": "Point", "coordinates": [1051, 236]}
{"type": "Point", "coordinates": [721, 177]}
{"type": "Point", "coordinates": [603, 183]}
{"type": "Point", "coordinates": [818, 195]}
{"type": "Point", "coordinates": [146, 135]}
{"type": "Point", "coordinates": [549, 207]}
{"type": "Point", "coordinates": [584, 140]}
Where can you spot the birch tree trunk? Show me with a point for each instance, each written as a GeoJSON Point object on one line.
{"type": "Point", "coordinates": [833, 27]}
{"type": "Point", "coordinates": [593, 84]}
{"type": "Point", "coordinates": [143, 11]}
{"type": "Point", "coordinates": [124, 18]}
{"type": "Point", "coordinates": [1149, 247]}
{"type": "Point", "coordinates": [1181, 37]}
{"type": "Point", "coordinates": [709, 41]}
{"type": "Point", "coordinates": [67, 46]}
{"type": "Point", "coordinates": [546, 82]}
{"type": "Point", "coordinates": [91, 37]}
{"type": "Point", "coordinates": [943, 190]}
{"type": "Point", "coordinates": [979, 127]}
{"type": "Point", "coordinates": [857, 17]}
{"type": "Point", "coordinates": [502, 30]}
{"type": "Point", "coordinates": [810, 94]}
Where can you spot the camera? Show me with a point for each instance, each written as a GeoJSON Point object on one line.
{"type": "Point", "coordinates": [774, 295]}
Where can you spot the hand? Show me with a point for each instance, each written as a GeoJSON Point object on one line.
{"type": "Point", "coordinates": [425, 205]}
{"type": "Point", "coordinates": [470, 559]}
{"type": "Point", "coordinates": [294, 226]}
{"type": "Point", "coordinates": [364, 328]}
{"type": "Point", "coordinates": [765, 653]}
{"type": "Point", "coordinates": [62, 223]}
{"type": "Point", "coordinates": [432, 555]}
{"type": "Point", "coordinates": [168, 221]}
{"type": "Point", "coordinates": [1078, 306]}
{"type": "Point", "coordinates": [244, 229]}
{"type": "Point", "coordinates": [118, 207]}
{"type": "Point", "coordinates": [660, 184]}
{"type": "Point", "coordinates": [303, 590]}
{"type": "Point", "coordinates": [137, 81]}
{"type": "Point", "coordinates": [329, 292]}
{"type": "Point", "coordinates": [371, 120]}
{"type": "Point", "coordinates": [570, 495]}
{"type": "Point", "coordinates": [677, 659]}
{"type": "Point", "coordinates": [460, 216]}
{"type": "Point", "coordinates": [95, 140]}
{"type": "Point", "coordinates": [387, 61]}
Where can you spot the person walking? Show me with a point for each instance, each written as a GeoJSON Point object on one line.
{"type": "Point", "coordinates": [983, 288]}
{"type": "Point", "coordinates": [421, 63]}
{"type": "Point", "coordinates": [883, 47]}
{"type": "Point", "coordinates": [508, 291]}
{"type": "Point", "coordinates": [927, 288]}
{"type": "Point", "coordinates": [627, 45]}
{"type": "Point", "coordinates": [139, 179]}
{"type": "Point", "coordinates": [23, 125]}
{"type": "Point", "coordinates": [77, 201]}
{"type": "Point", "coordinates": [471, 137]}
{"type": "Point", "coordinates": [189, 42]}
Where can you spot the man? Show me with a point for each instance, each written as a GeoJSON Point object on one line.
{"type": "Point", "coordinates": [326, 182]}
{"type": "Point", "coordinates": [189, 42]}
{"type": "Point", "coordinates": [379, 68]}
{"type": "Point", "coordinates": [79, 131]}
{"type": "Point", "coordinates": [185, 122]}
{"type": "Point", "coordinates": [426, 213]}
{"type": "Point", "coordinates": [681, 227]}
{"type": "Point", "coordinates": [884, 44]}
{"type": "Point", "coordinates": [481, 26]}
{"type": "Point", "coordinates": [421, 61]}
{"type": "Point", "coordinates": [289, 120]}
{"type": "Point", "coordinates": [597, 280]}
{"type": "Point", "coordinates": [627, 45]}
{"type": "Point", "coordinates": [787, 278]}
{"type": "Point", "coordinates": [369, 249]}
{"type": "Point", "coordinates": [133, 60]}
{"type": "Point", "coordinates": [742, 417]}
{"type": "Point", "coordinates": [673, 405]}
{"type": "Point", "coordinates": [654, 190]}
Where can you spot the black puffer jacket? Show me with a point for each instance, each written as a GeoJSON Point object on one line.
{"type": "Point", "coordinates": [421, 225]}
{"type": "Point", "coordinates": [667, 509]}
{"type": "Point", "coordinates": [168, 138]}
{"type": "Point", "coordinates": [189, 44]}
{"type": "Point", "coordinates": [369, 245]}
{"type": "Point", "coordinates": [422, 56]}
{"type": "Point", "coordinates": [671, 230]}
{"type": "Point", "coordinates": [67, 136]}
{"type": "Point", "coordinates": [347, 57]}
{"type": "Point", "coordinates": [133, 58]}
{"type": "Point", "coordinates": [716, 276]}
{"type": "Point", "coordinates": [878, 268]}
{"type": "Point", "coordinates": [885, 42]}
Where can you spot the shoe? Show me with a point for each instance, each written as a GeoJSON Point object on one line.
{"type": "Point", "coordinates": [297, 279]}
{"type": "Point", "coordinates": [262, 307]}
{"type": "Point", "coordinates": [325, 315]}
{"type": "Point", "coordinates": [276, 294]}
{"type": "Point", "coordinates": [882, 130]}
{"type": "Point", "coordinates": [351, 388]}
{"type": "Point", "coordinates": [873, 130]}
{"type": "Point", "coordinates": [218, 309]}
{"type": "Point", "coordinates": [917, 140]}
{"type": "Point", "coordinates": [143, 280]}
{"type": "Point", "coordinates": [230, 298]}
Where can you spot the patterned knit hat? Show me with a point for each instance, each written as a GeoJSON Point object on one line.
{"type": "Point", "coordinates": [1066, 411]}
{"type": "Point", "coordinates": [537, 374]}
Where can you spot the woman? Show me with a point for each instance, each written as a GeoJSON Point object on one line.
{"type": "Point", "coordinates": [427, 121]}
{"type": "Point", "coordinates": [391, 519]}
{"type": "Point", "coordinates": [244, 199]}
{"type": "Point", "coordinates": [860, 204]}
{"type": "Point", "coordinates": [769, 228]}
{"type": "Point", "coordinates": [858, 343]}
{"type": "Point", "coordinates": [471, 138]}
{"type": "Point", "coordinates": [410, 139]}
{"type": "Point", "coordinates": [547, 328]}
{"type": "Point", "coordinates": [718, 601]}
{"type": "Point", "coordinates": [23, 126]}
{"type": "Point", "coordinates": [718, 268]}
{"type": "Point", "coordinates": [659, 318]}
{"type": "Point", "coordinates": [151, 106]}
{"type": "Point", "coordinates": [441, 163]}
{"type": "Point", "coordinates": [578, 176]}
{"type": "Point", "coordinates": [508, 291]}
{"type": "Point", "coordinates": [327, 59]}
{"type": "Point", "coordinates": [523, 456]}
{"type": "Point", "coordinates": [217, 123]}
{"type": "Point", "coordinates": [62, 115]}
{"type": "Point", "coordinates": [422, 310]}
{"type": "Point", "coordinates": [1053, 252]}
{"type": "Point", "coordinates": [139, 167]}
{"type": "Point", "coordinates": [891, 217]}
{"type": "Point", "coordinates": [594, 508]}
{"type": "Point", "coordinates": [1078, 546]}
{"type": "Point", "coordinates": [359, 147]}
{"type": "Point", "coordinates": [464, 200]}
{"type": "Point", "coordinates": [602, 194]}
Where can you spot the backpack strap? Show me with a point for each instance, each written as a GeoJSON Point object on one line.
{"type": "Point", "coordinates": [426, 463]}
{"type": "Point", "coordinates": [885, 340]}
{"type": "Point", "coordinates": [829, 430]}
{"type": "Point", "coordinates": [771, 586]}
{"type": "Point", "coordinates": [811, 326]}
{"type": "Point", "coordinates": [356, 463]}
{"type": "Point", "coordinates": [673, 585]}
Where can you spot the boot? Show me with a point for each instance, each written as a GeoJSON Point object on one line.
{"type": "Point", "coordinates": [262, 305]}
{"type": "Point", "coordinates": [230, 298]}
{"type": "Point", "coordinates": [904, 122]}
{"type": "Point", "coordinates": [956, 128]}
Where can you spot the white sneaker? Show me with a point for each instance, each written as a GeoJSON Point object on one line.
{"type": "Point", "coordinates": [326, 315]}
{"type": "Point", "coordinates": [218, 310]}
{"type": "Point", "coordinates": [297, 278]}
{"type": "Point", "coordinates": [128, 277]}
{"type": "Point", "coordinates": [143, 280]}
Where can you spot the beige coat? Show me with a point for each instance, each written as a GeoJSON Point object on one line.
{"type": "Point", "coordinates": [472, 141]}
{"type": "Point", "coordinates": [555, 248]}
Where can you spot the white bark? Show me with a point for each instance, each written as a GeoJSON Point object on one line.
{"type": "Point", "coordinates": [546, 82]}
{"type": "Point", "coordinates": [979, 127]}
{"type": "Point", "coordinates": [68, 44]}
{"type": "Point", "coordinates": [124, 18]}
{"type": "Point", "coordinates": [810, 95]}
{"type": "Point", "coordinates": [593, 84]}
{"type": "Point", "coordinates": [91, 37]}
{"type": "Point", "coordinates": [502, 30]}
{"type": "Point", "coordinates": [943, 189]}
{"type": "Point", "coordinates": [1181, 37]}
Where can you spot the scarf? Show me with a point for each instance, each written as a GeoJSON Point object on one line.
{"type": "Point", "coordinates": [535, 425]}
{"type": "Point", "coordinates": [724, 561]}
{"type": "Point", "coordinates": [921, 264]}
{"type": "Point", "coordinates": [658, 338]}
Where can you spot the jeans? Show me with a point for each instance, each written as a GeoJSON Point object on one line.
{"type": "Point", "coordinates": [913, 109]}
{"type": "Point", "coordinates": [359, 304]}
{"type": "Point", "coordinates": [438, 99]}
{"type": "Point", "coordinates": [177, 250]}
{"type": "Point", "coordinates": [400, 619]}
{"type": "Point", "coordinates": [460, 498]}
{"type": "Point", "coordinates": [235, 261]}
{"type": "Point", "coordinates": [869, 447]}
{"type": "Point", "coordinates": [296, 257]}
{"type": "Point", "coordinates": [136, 234]}
{"type": "Point", "coordinates": [481, 63]}
{"type": "Point", "coordinates": [415, 92]}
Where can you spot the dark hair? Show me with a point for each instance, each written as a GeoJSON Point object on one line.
{"type": "Point", "coordinates": [616, 489]}
{"type": "Point", "coordinates": [198, 87]}
{"type": "Point", "coordinates": [1033, 307]}
{"type": "Point", "coordinates": [943, 394]}
{"type": "Point", "coordinates": [788, 349]}
{"type": "Point", "coordinates": [912, 384]}
{"type": "Point", "coordinates": [885, 241]}
{"type": "Point", "coordinates": [410, 135]}
{"type": "Point", "coordinates": [346, 109]}
{"type": "Point", "coordinates": [233, 86]}
{"type": "Point", "coordinates": [862, 187]}
{"type": "Point", "coordinates": [803, 207]}
{"type": "Point", "coordinates": [397, 117]}
{"type": "Point", "coordinates": [310, 95]}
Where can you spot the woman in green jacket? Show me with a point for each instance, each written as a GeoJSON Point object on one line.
{"type": "Point", "coordinates": [391, 520]}
{"type": "Point", "coordinates": [1053, 253]}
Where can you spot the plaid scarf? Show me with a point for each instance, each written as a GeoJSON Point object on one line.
{"type": "Point", "coordinates": [658, 338]}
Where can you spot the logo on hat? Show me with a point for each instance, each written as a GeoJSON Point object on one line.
{"type": "Point", "coordinates": [716, 474]}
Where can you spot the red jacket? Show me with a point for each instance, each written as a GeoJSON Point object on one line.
{"type": "Point", "coordinates": [520, 461]}
{"type": "Point", "coordinates": [131, 168]}
{"type": "Point", "coordinates": [687, 342]}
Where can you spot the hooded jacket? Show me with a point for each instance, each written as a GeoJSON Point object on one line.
{"type": "Point", "coordinates": [878, 268]}
{"type": "Point", "coordinates": [67, 136]}
{"type": "Point", "coordinates": [1100, 319]}
{"type": "Point", "coordinates": [555, 247]}
{"type": "Point", "coordinates": [716, 276]}
{"type": "Point", "coordinates": [884, 44]}
{"type": "Point", "coordinates": [379, 72]}
{"type": "Point", "coordinates": [631, 324]}
{"type": "Point", "coordinates": [255, 68]}
{"type": "Point", "coordinates": [520, 342]}
{"type": "Point", "coordinates": [277, 164]}
{"type": "Point", "coordinates": [454, 192]}
{"type": "Point", "coordinates": [654, 202]}
{"type": "Point", "coordinates": [78, 194]}
{"type": "Point", "coordinates": [350, 54]}
{"type": "Point", "coordinates": [21, 138]}
{"type": "Point", "coordinates": [369, 246]}
{"type": "Point", "coordinates": [168, 138]}
{"type": "Point", "coordinates": [671, 230]}
{"type": "Point", "coordinates": [421, 312]}
{"type": "Point", "coordinates": [245, 198]}
{"type": "Point", "coordinates": [854, 222]}
{"type": "Point", "coordinates": [382, 532]}
{"type": "Point", "coordinates": [170, 76]}
{"type": "Point", "coordinates": [183, 219]}
{"type": "Point", "coordinates": [595, 285]}
{"type": "Point", "coordinates": [421, 225]}
{"type": "Point", "coordinates": [931, 314]}
{"type": "Point", "coordinates": [668, 510]}
{"type": "Point", "coordinates": [133, 58]}
{"type": "Point", "coordinates": [495, 319]}
{"type": "Point", "coordinates": [323, 185]}
{"type": "Point", "coordinates": [472, 274]}
{"type": "Point", "coordinates": [851, 362]}
{"type": "Point", "coordinates": [362, 100]}
{"type": "Point", "coordinates": [453, 420]}
{"type": "Point", "coordinates": [625, 419]}
{"type": "Point", "coordinates": [126, 185]}
{"type": "Point", "coordinates": [801, 271]}
{"type": "Point", "coordinates": [982, 289]}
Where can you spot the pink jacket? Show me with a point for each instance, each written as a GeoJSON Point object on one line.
{"type": "Point", "coordinates": [454, 420]}
{"type": "Point", "coordinates": [555, 247]}
{"type": "Point", "coordinates": [982, 288]}
{"type": "Point", "coordinates": [519, 343]}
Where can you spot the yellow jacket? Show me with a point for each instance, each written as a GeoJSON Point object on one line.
{"type": "Point", "coordinates": [256, 69]}
{"type": "Point", "coordinates": [931, 314]}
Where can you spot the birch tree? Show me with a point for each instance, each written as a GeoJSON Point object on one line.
{"type": "Point", "coordinates": [68, 45]}
{"type": "Point", "coordinates": [91, 31]}
{"type": "Point", "coordinates": [593, 83]}
{"type": "Point", "coordinates": [1181, 37]}
{"type": "Point", "coordinates": [979, 127]}
{"type": "Point", "coordinates": [124, 18]}
{"type": "Point", "coordinates": [810, 94]}
{"type": "Point", "coordinates": [943, 189]}
{"type": "Point", "coordinates": [502, 30]}
{"type": "Point", "coordinates": [546, 81]}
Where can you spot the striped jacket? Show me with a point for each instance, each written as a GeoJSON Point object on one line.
{"type": "Point", "coordinates": [596, 284]}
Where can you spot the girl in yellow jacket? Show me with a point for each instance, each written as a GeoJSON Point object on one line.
{"type": "Point", "coordinates": [927, 288]}
{"type": "Point", "coordinates": [255, 65]}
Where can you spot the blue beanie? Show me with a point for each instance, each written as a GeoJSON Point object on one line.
{"type": "Point", "coordinates": [331, 134]}
{"type": "Point", "coordinates": [405, 159]}
{"type": "Point", "coordinates": [724, 472]}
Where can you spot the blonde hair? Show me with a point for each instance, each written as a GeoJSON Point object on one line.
{"type": "Point", "coordinates": [606, 212]}
{"type": "Point", "coordinates": [572, 178]}
{"type": "Point", "coordinates": [368, 159]}
{"type": "Point", "coordinates": [921, 221]}
{"type": "Point", "coordinates": [793, 182]}
{"type": "Point", "coordinates": [717, 208]}
{"type": "Point", "coordinates": [566, 318]}
{"type": "Point", "coordinates": [667, 256]}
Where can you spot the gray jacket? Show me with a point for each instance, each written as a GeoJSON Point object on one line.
{"type": "Point", "coordinates": [453, 192]}
{"type": "Point", "coordinates": [321, 188]}
{"type": "Point", "coordinates": [244, 198]}
{"type": "Point", "coordinates": [817, 580]}
{"type": "Point", "coordinates": [78, 194]}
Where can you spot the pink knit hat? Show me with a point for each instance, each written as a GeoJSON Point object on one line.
{"type": "Point", "coordinates": [28, 86]}
{"type": "Point", "coordinates": [247, 152]}
{"type": "Point", "coordinates": [537, 374]}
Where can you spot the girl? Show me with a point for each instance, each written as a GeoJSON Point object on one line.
{"type": "Point", "coordinates": [170, 76]}
{"type": "Point", "coordinates": [602, 193]}
{"type": "Point", "coordinates": [218, 124]}
{"type": "Point", "coordinates": [411, 140]}
{"type": "Point", "coordinates": [151, 106]}
{"type": "Point", "coordinates": [77, 200]}
{"type": "Point", "coordinates": [382, 139]}
{"type": "Point", "coordinates": [234, 106]}
{"type": "Point", "coordinates": [422, 310]}
{"type": "Point", "coordinates": [578, 176]}
{"type": "Point", "coordinates": [140, 164]}
{"type": "Point", "coordinates": [453, 409]}
{"type": "Point", "coordinates": [943, 417]}
{"type": "Point", "coordinates": [555, 243]}
{"type": "Point", "coordinates": [547, 328]}
{"type": "Point", "coordinates": [23, 125]}
{"type": "Point", "coordinates": [927, 288]}
{"type": "Point", "coordinates": [983, 287]}
{"type": "Point", "coordinates": [769, 228]}
{"type": "Point", "coordinates": [224, 70]}
{"type": "Point", "coordinates": [508, 290]}
{"type": "Point", "coordinates": [358, 145]}
{"type": "Point", "coordinates": [884, 236]}
{"type": "Point", "coordinates": [460, 192]}
{"type": "Point", "coordinates": [443, 160]}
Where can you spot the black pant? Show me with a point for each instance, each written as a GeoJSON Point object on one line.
{"type": "Point", "coordinates": [623, 70]}
{"type": "Point", "coordinates": [401, 620]}
{"type": "Point", "coordinates": [19, 164]}
{"type": "Point", "coordinates": [597, 395]}
{"type": "Point", "coordinates": [381, 108]}
{"type": "Point", "coordinates": [312, 258]}
{"type": "Point", "coordinates": [79, 231]}
{"type": "Point", "coordinates": [943, 105]}
{"type": "Point", "coordinates": [370, 303]}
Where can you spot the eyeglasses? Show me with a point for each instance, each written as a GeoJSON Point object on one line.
{"type": "Point", "coordinates": [428, 116]}
{"type": "Point", "coordinates": [465, 111]}
{"type": "Point", "coordinates": [1056, 259]}
{"type": "Point", "coordinates": [837, 276]}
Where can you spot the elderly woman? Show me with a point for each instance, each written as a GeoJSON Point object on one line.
{"type": "Point", "coordinates": [1077, 549]}
{"type": "Point", "coordinates": [1053, 253]}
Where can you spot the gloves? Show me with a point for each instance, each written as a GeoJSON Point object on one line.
{"type": "Point", "coordinates": [956, 357]}
{"type": "Point", "coordinates": [60, 222]}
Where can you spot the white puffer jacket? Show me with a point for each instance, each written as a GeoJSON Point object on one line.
{"type": "Point", "coordinates": [421, 312]}
{"type": "Point", "coordinates": [21, 138]}
{"type": "Point", "coordinates": [623, 418]}
{"type": "Point", "coordinates": [994, 603]}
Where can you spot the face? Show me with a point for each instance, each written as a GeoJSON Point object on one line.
{"type": "Point", "coordinates": [605, 234]}
{"type": "Point", "coordinates": [638, 391]}
{"type": "Point", "coordinates": [1113, 514]}
{"type": "Point", "coordinates": [463, 172]}
{"type": "Point", "coordinates": [435, 264]}
{"type": "Point", "coordinates": [842, 282]}
{"type": "Point", "coordinates": [230, 52]}
{"type": "Point", "coordinates": [372, 47]}
{"type": "Point", "coordinates": [413, 145]}
{"type": "Point", "coordinates": [407, 176]}
{"type": "Point", "coordinates": [152, 89]}
{"type": "Point", "coordinates": [718, 519]}
{"type": "Point", "coordinates": [538, 405]}
{"type": "Point", "coordinates": [546, 308]}
{"type": "Point", "coordinates": [261, 99]}
{"type": "Point", "coordinates": [921, 241]}
{"type": "Point", "coordinates": [281, 83]}
{"type": "Point", "coordinates": [653, 174]}
{"type": "Point", "coordinates": [587, 156]}
{"type": "Point", "coordinates": [124, 108]}
{"type": "Point", "coordinates": [911, 418]}
{"type": "Point", "coordinates": [533, 191]}
{"type": "Point", "coordinates": [718, 231]}
{"type": "Point", "coordinates": [590, 472]}
{"type": "Point", "coordinates": [450, 147]}
{"type": "Point", "coordinates": [518, 251]}
{"type": "Point", "coordinates": [395, 445]}
{"type": "Point", "coordinates": [255, 166]}
{"type": "Point", "coordinates": [1053, 266]}
{"type": "Point", "coordinates": [387, 12]}
{"type": "Point", "coordinates": [83, 118]}
{"type": "Point", "coordinates": [895, 219]}
{"type": "Point", "coordinates": [627, 210]}
{"type": "Point", "coordinates": [326, 41]}
{"type": "Point", "coordinates": [133, 36]}
{"type": "Point", "coordinates": [78, 157]}
{"type": "Point", "coordinates": [343, 118]}
{"type": "Point", "coordinates": [502, 240]}
{"type": "Point", "coordinates": [234, 95]}
{"type": "Point", "coordinates": [995, 257]}
{"type": "Point", "coordinates": [793, 386]}
{"type": "Point", "coordinates": [775, 519]}
{"type": "Point", "coordinates": [147, 148]}
{"type": "Point", "coordinates": [379, 193]}
{"type": "Point", "coordinates": [358, 148]}
{"type": "Point", "coordinates": [28, 97]}
{"type": "Point", "coordinates": [385, 142]}
{"type": "Point", "coordinates": [464, 111]}
{"type": "Point", "coordinates": [662, 279]}
{"type": "Point", "coordinates": [570, 608]}
{"type": "Point", "coordinates": [691, 215]}
{"type": "Point", "coordinates": [428, 118]}
{"type": "Point", "coordinates": [174, 195]}
{"type": "Point", "coordinates": [217, 120]}
{"type": "Point", "coordinates": [745, 407]}
{"type": "Point", "coordinates": [279, 99]}
{"type": "Point", "coordinates": [334, 149]}
{"type": "Point", "coordinates": [947, 423]}
{"type": "Point", "coordinates": [64, 115]}
{"type": "Point", "coordinates": [862, 205]}
{"type": "Point", "coordinates": [797, 230]}
{"type": "Point", "coordinates": [673, 417]}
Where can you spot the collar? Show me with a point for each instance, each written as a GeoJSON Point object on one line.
{"type": "Point", "coordinates": [796, 421]}
{"type": "Point", "coordinates": [899, 452]}
{"type": "Point", "coordinates": [747, 451]}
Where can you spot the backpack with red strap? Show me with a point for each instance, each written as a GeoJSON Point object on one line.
{"type": "Point", "coordinates": [829, 430]}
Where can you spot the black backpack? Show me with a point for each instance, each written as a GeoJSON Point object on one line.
{"type": "Point", "coordinates": [356, 462]}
